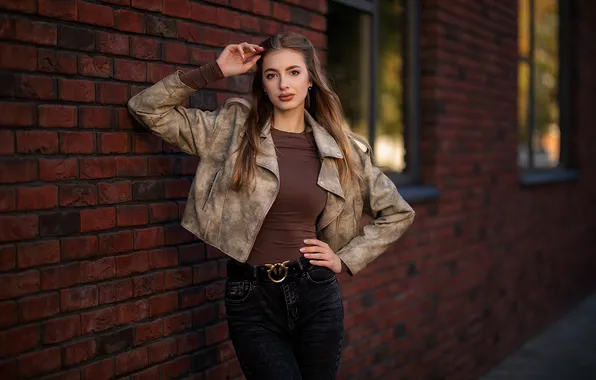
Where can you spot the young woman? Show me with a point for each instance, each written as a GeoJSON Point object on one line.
{"type": "Point", "coordinates": [280, 188]}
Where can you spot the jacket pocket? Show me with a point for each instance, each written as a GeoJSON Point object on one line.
{"type": "Point", "coordinates": [210, 189]}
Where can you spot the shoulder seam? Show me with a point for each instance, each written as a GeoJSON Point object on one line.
{"type": "Point", "coordinates": [244, 102]}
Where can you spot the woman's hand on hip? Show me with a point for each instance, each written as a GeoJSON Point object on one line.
{"type": "Point", "coordinates": [239, 59]}
{"type": "Point", "coordinates": [319, 253]}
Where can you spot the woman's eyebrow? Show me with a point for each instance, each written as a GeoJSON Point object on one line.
{"type": "Point", "coordinates": [288, 68]}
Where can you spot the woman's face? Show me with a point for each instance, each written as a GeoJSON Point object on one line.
{"type": "Point", "coordinates": [285, 79]}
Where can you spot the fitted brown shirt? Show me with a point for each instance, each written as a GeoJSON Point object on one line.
{"type": "Point", "coordinates": [293, 215]}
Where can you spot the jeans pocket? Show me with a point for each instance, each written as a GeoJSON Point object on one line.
{"type": "Point", "coordinates": [320, 275]}
{"type": "Point", "coordinates": [237, 290]}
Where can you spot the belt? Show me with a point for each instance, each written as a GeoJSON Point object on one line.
{"type": "Point", "coordinates": [277, 272]}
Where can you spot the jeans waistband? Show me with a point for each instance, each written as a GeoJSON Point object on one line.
{"type": "Point", "coordinates": [275, 273]}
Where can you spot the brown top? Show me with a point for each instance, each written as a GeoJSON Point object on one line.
{"type": "Point", "coordinates": [202, 76]}
{"type": "Point", "coordinates": [293, 216]}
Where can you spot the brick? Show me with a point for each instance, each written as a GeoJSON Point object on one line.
{"type": "Point", "coordinates": [177, 367]}
{"type": "Point", "coordinates": [131, 264]}
{"type": "Point", "coordinates": [162, 350]}
{"type": "Point", "coordinates": [62, 329]}
{"type": "Point", "coordinates": [102, 370]}
{"type": "Point", "coordinates": [130, 70]}
{"type": "Point", "coordinates": [150, 5]}
{"type": "Point", "coordinates": [124, 121]}
{"type": "Point", "coordinates": [79, 352]}
{"type": "Point", "coordinates": [163, 258]}
{"type": "Point", "coordinates": [189, 342]}
{"type": "Point", "coordinates": [148, 238]}
{"type": "Point", "coordinates": [131, 166]}
{"type": "Point", "coordinates": [74, 38]}
{"type": "Point", "coordinates": [148, 284]}
{"type": "Point", "coordinates": [189, 32]}
{"type": "Point", "coordinates": [57, 116]}
{"type": "Point", "coordinates": [101, 269]}
{"type": "Point", "coordinates": [98, 219]}
{"type": "Point", "coordinates": [77, 142]}
{"type": "Point", "coordinates": [68, 375]}
{"type": "Point", "coordinates": [7, 143]}
{"type": "Point", "coordinates": [215, 37]}
{"type": "Point", "coordinates": [58, 169]}
{"type": "Point", "coordinates": [145, 48]}
{"type": "Point", "coordinates": [8, 314]}
{"type": "Point", "coordinates": [78, 195]}
{"type": "Point", "coordinates": [38, 253]}
{"type": "Point", "coordinates": [40, 33]}
{"type": "Point", "coordinates": [177, 188]}
{"type": "Point", "coordinates": [62, 276]}
{"type": "Point", "coordinates": [148, 331]}
{"type": "Point", "coordinates": [176, 323]}
{"type": "Point", "coordinates": [77, 90]}
{"type": "Point", "coordinates": [8, 255]}
{"type": "Point", "coordinates": [161, 27]}
{"type": "Point", "coordinates": [62, 9]}
{"type": "Point", "coordinates": [176, 234]}
{"type": "Point", "coordinates": [162, 166]}
{"type": "Point", "coordinates": [214, 291]}
{"type": "Point", "coordinates": [282, 12]}
{"type": "Point", "coordinates": [163, 304]}
{"type": "Point", "coordinates": [113, 43]}
{"type": "Point", "coordinates": [200, 57]}
{"type": "Point", "coordinates": [205, 272]}
{"type": "Point", "coordinates": [39, 307]}
{"type": "Point", "coordinates": [19, 339]}
{"type": "Point", "coordinates": [17, 57]}
{"type": "Point", "coordinates": [129, 21]}
{"type": "Point", "coordinates": [158, 71]}
{"type": "Point", "coordinates": [115, 192]}
{"type": "Point", "coordinates": [115, 341]}
{"type": "Point", "coordinates": [217, 333]}
{"type": "Point", "coordinates": [175, 53]}
{"type": "Point", "coordinates": [80, 247]}
{"type": "Point", "coordinates": [133, 312]}
{"type": "Point", "coordinates": [37, 142]}
{"type": "Point", "coordinates": [7, 28]}
{"type": "Point", "coordinates": [153, 373]}
{"type": "Point", "coordinates": [117, 242]}
{"type": "Point", "coordinates": [95, 117]}
{"type": "Point", "coordinates": [177, 8]}
{"type": "Point", "coordinates": [96, 66]}
{"type": "Point", "coordinates": [131, 361]}
{"type": "Point", "coordinates": [17, 114]}
{"type": "Point", "coordinates": [115, 291]}
{"type": "Point", "coordinates": [14, 228]}
{"type": "Point", "coordinates": [59, 223]}
{"type": "Point", "coordinates": [191, 296]}
{"type": "Point", "coordinates": [178, 278]}
{"type": "Point", "coordinates": [114, 142]}
{"type": "Point", "coordinates": [97, 167]}
{"type": "Point", "coordinates": [99, 320]}
{"type": "Point", "coordinates": [37, 198]}
{"type": "Point", "coordinates": [118, 2]}
{"type": "Point", "coordinates": [146, 143]}
{"type": "Point", "coordinates": [147, 190]}
{"type": "Point", "coordinates": [96, 14]}
{"type": "Point", "coordinates": [78, 298]}
{"type": "Point", "coordinates": [133, 215]}
{"type": "Point", "coordinates": [9, 369]}
{"type": "Point", "coordinates": [112, 93]}
{"type": "Point", "coordinates": [34, 87]}
{"type": "Point", "coordinates": [163, 212]}
{"type": "Point", "coordinates": [52, 61]}
{"type": "Point", "coordinates": [7, 199]}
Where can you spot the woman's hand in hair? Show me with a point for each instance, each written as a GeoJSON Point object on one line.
{"type": "Point", "coordinates": [319, 253]}
{"type": "Point", "coordinates": [239, 59]}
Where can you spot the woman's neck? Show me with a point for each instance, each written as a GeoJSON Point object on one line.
{"type": "Point", "coordinates": [290, 120]}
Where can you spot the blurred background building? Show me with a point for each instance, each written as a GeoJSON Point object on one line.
{"type": "Point", "coordinates": [480, 111]}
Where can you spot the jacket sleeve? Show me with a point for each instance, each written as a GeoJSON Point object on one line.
{"type": "Point", "coordinates": [392, 216]}
{"type": "Point", "coordinates": [160, 109]}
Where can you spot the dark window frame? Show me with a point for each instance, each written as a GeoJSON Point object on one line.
{"type": "Point", "coordinates": [563, 171]}
{"type": "Point", "coordinates": [409, 182]}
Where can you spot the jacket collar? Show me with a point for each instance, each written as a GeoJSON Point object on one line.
{"type": "Point", "coordinates": [326, 144]}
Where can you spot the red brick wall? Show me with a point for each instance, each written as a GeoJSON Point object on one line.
{"type": "Point", "coordinates": [98, 279]}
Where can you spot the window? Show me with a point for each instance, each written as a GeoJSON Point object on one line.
{"type": "Point", "coordinates": [542, 81]}
{"type": "Point", "coordinates": [371, 61]}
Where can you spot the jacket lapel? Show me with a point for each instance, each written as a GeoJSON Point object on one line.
{"type": "Point", "coordinates": [268, 158]}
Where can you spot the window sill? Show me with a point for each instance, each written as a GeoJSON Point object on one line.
{"type": "Point", "coordinates": [534, 178]}
{"type": "Point", "coordinates": [418, 193]}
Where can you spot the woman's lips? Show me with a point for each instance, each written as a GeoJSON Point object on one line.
{"type": "Point", "coordinates": [286, 98]}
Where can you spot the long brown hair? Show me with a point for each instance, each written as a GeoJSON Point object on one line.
{"type": "Point", "coordinates": [322, 103]}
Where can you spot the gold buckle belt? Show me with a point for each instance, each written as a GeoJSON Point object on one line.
{"type": "Point", "coordinates": [279, 270]}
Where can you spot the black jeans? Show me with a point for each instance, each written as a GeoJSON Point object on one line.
{"type": "Point", "coordinates": [291, 330]}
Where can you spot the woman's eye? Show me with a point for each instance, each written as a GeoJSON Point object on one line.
{"type": "Point", "coordinates": [295, 72]}
{"type": "Point", "coordinates": [270, 76]}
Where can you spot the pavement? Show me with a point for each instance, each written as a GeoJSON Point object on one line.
{"type": "Point", "coordinates": [564, 351]}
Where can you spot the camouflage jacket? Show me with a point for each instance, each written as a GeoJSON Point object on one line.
{"type": "Point", "coordinates": [230, 220]}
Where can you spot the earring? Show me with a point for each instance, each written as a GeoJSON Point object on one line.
{"type": "Point", "coordinates": [309, 88]}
